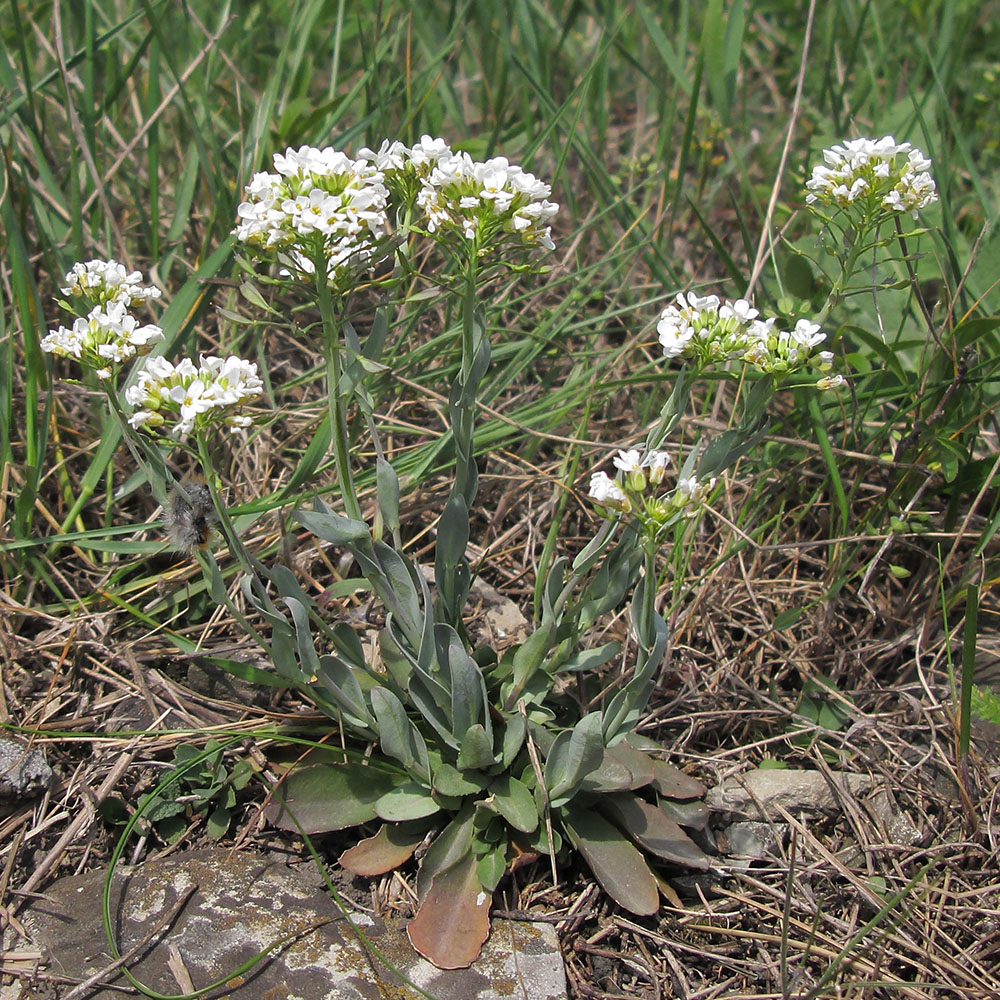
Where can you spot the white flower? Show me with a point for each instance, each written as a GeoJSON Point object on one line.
{"type": "Point", "coordinates": [740, 310]}
{"type": "Point", "coordinates": [807, 334]}
{"type": "Point", "coordinates": [871, 172]}
{"type": "Point", "coordinates": [427, 153]}
{"type": "Point", "coordinates": [606, 490]}
{"type": "Point", "coordinates": [656, 462]}
{"type": "Point", "coordinates": [705, 328]}
{"type": "Point", "coordinates": [830, 382]}
{"type": "Point", "coordinates": [628, 461]}
{"type": "Point", "coordinates": [690, 493]}
{"type": "Point", "coordinates": [493, 202]}
{"type": "Point", "coordinates": [390, 156]}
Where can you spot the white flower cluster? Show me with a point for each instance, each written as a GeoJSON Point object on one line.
{"type": "Point", "coordinates": [318, 204]}
{"type": "Point", "coordinates": [710, 331]}
{"type": "Point", "coordinates": [108, 335]}
{"type": "Point", "coordinates": [875, 174]}
{"type": "Point", "coordinates": [99, 282]}
{"type": "Point", "coordinates": [483, 199]}
{"type": "Point", "coordinates": [640, 471]}
{"type": "Point", "coordinates": [182, 398]}
{"type": "Point", "coordinates": [322, 203]}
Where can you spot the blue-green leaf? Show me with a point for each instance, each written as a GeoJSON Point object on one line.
{"type": "Point", "coordinates": [398, 736]}
{"type": "Point", "coordinates": [515, 803]}
{"type": "Point", "coordinates": [574, 754]}
{"type": "Point", "coordinates": [475, 749]}
{"type": "Point", "coordinates": [333, 528]}
{"type": "Point", "coordinates": [409, 801]}
{"type": "Point", "coordinates": [325, 797]}
{"type": "Point", "coordinates": [616, 863]}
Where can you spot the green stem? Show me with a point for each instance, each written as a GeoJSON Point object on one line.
{"type": "Point", "coordinates": [336, 403]}
{"type": "Point", "coordinates": [464, 415]}
{"type": "Point", "coordinates": [969, 638]}
{"type": "Point", "coordinates": [247, 562]}
{"type": "Point", "coordinates": [147, 456]}
{"type": "Point", "coordinates": [848, 264]}
{"type": "Point", "coordinates": [826, 449]}
{"type": "Point", "coordinates": [649, 552]}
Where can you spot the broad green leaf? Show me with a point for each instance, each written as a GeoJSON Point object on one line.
{"type": "Point", "coordinates": [398, 736]}
{"type": "Point", "coordinates": [332, 527]}
{"type": "Point", "coordinates": [515, 803]}
{"type": "Point", "coordinates": [591, 659]}
{"type": "Point", "coordinates": [308, 658]}
{"type": "Point", "coordinates": [400, 579]}
{"type": "Point", "coordinates": [574, 754]}
{"type": "Point", "coordinates": [218, 821]}
{"type": "Point", "coordinates": [451, 570]}
{"type": "Point", "coordinates": [611, 776]}
{"type": "Point", "coordinates": [468, 690]}
{"type": "Point", "coordinates": [693, 815]}
{"type": "Point", "coordinates": [349, 645]}
{"type": "Point", "coordinates": [673, 783]}
{"type": "Point", "coordinates": [449, 846]}
{"type": "Point", "coordinates": [594, 549]}
{"type": "Point", "coordinates": [515, 728]}
{"type": "Point", "coordinates": [491, 866]}
{"type": "Point", "coordinates": [640, 764]}
{"type": "Point", "coordinates": [408, 801]}
{"type": "Point", "coordinates": [387, 488]}
{"type": "Point", "coordinates": [449, 781]}
{"type": "Point", "coordinates": [325, 797]}
{"type": "Point", "coordinates": [616, 863]}
{"type": "Point", "coordinates": [529, 658]}
{"type": "Point", "coordinates": [475, 750]}
{"type": "Point", "coordinates": [339, 680]}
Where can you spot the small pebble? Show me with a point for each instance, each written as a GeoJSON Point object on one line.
{"type": "Point", "coordinates": [23, 770]}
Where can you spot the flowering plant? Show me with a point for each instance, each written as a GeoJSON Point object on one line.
{"type": "Point", "coordinates": [476, 750]}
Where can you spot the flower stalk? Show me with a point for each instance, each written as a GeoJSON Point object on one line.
{"type": "Point", "coordinates": [339, 436]}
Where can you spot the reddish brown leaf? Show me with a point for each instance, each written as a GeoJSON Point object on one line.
{"type": "Point", "coordinates": [615, 862]}
{"type": "Point", "coordinates": [388, 849]}
{"type": "Point", "coordinates": [454, 918]}
{"type": "Point", "coordinates": [656, 832]}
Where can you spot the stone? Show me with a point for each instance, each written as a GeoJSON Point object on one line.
{"type": "Point", "coordinates": [751, 841]}
{"type": "Point", "coordinates": [897, 824]}
{"type": "Point", "coordinates": [242, 903]}
{"type": "Point", "coordinates": [23, 770]}
{"type": "Point", "coordinates": [757, 795]}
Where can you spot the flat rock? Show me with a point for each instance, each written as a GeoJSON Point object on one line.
{"type": "Point", "coordinates": [243, 903]}
{"type": "Point", "coordinates": [757, 795]}
{"type": "Point", "coordinates": [754, 841]}
{"type": "Point", "coordinates": [898, 827]}
{"type": "Point", "coordinates": [23, 770]}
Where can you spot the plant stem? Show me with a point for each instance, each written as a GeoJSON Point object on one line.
{"type": "Point", "coordinates": [336, 403]}
{"type": "Point", "coordinates": [247, 562]}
